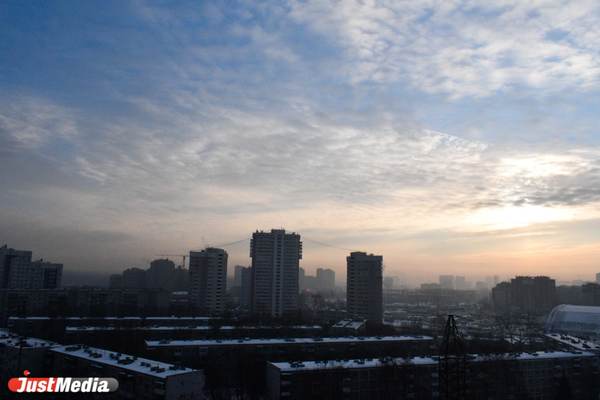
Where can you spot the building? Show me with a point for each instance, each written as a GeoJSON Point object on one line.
{"type": "Point", "coordinates": [388, 283]}
{"type": "Point", "coordinates": [208, 280]}
{"type": "Point", "coordinates": [539, 375]}
{"type": "Point", "coordinates": [598, 278]}
{"type": "Point", "coordinates": [275, 262]}
{"type": "Point", "coordinates": [446, 281]}
{"type": "Point", "coordinates": [161, 274]}
{"type": "Point", "coordinates": [460, 283]}
{"type": "Point", "coordinates": [18, 353]}
{"type": "Point", "coordinates": [325, 279]}
{"type": "Point", "coordinates": [582, 321]}
{"type": "Point", "coordinates": [134, 278]}
{"type": "Point", "coordinates": [536, 295]}
{"type": "Point", "coordinates": [246, 288]}
{"type": "Point", "coordinates": [18, 271]}
{"type": "Point", "coordinates": [139, 378]}
{"type": "Point", "coordinates": [364, 291]}
{"type": "Point", "coordinates": [237, 275]}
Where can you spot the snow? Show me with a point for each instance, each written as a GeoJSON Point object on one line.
{"type": "Point", "coordinates": [123, 361]}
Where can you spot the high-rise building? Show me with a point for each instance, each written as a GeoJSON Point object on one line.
{"type": "Point", "coordinates": [17, 271]}
{"type": "Point", "coordinates": [460, 283]}
{"type": "Point", "coordinates": [364, 292]}
{"type": "Point", "coordinates": [134, 278]}
{"type": "Point", "coordinates": [161, 274]}
{"type": "Point", "coordinates": [388, 283]}
{"type": "Point", "coordinates": [446, 281]}
{"type": "Point", "coordinates": [51, 274]}
{"type": "Point", "coordinates": [208, 280]}
{"type": "Point", "coordinates": [246, 288]}
{"type": "Point", "coordinates": [275, 262]}
{"type": "Point", "coordinates": [598, 277]}
{"type": "Point", "coordinates": [325, 279]}
{"type": "Point", "coordinates": [237, 275]}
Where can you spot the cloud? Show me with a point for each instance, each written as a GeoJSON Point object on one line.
{"type": "Point", "coordinates": [463, 48]}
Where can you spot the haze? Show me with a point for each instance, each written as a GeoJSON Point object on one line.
{"type": "Point", "coordinates": [448, 136]}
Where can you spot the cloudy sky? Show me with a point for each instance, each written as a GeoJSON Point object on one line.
{"type": "Point", "coordinates": [449, 136]}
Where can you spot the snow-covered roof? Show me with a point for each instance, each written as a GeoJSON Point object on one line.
{"type": "Point", "coordinates": [575, 342]}
{"type": "Point", "coordinates": [132, 318]}
{"type": "Point", "coordinates": [574, 320]}
{"type": "Point", "coordinates": [12, 340]}
{"type": "Point", "coordinates": [280, 341]}
{"type": "Point", "coordinates": [184, 328]}
{"type": "Point", "coordinates": [399, 361]}
{"type": "Point", "coordinates": [123, 361]}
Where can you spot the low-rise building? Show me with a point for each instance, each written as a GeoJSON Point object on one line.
{"type": "Point", "coordinates": [138, 378]}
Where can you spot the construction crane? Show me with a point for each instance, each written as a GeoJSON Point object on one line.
{"type": "Point", "coordinates": [183, 256]}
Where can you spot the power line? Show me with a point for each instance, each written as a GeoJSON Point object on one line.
{"type": "Point", "coordinates": [327, 244]}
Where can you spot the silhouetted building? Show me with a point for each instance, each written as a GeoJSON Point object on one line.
{"type": "Point", "coordinates": [115, 281]}
{"type": "Point", "coordinates": [237, 275]}
{"type": "Point", "coordinates": [134, 278]}
{"type": "Point", "coordinates": [325, 279]}
{"type": "Point", "coordinates": [246, 288]}
{"type": "Point", "coordinates": [446, 281]}
{"type": "Point", "coordinates": [539, 375]}
{"type": "Point", "coordinates": [364, 291]}
{"type": "Point", "coordinates": [525, 294]}
{"type": "Point", "coordinates": [275, 261]}
{"type": "Point", "coordinates": [161, 274]}
{"type": "Point", "coordinates": [208, 280]}
{"type": "Point", "coordinates": [460, 283]}
{"type": "Point", "coordinates": [17, 271]}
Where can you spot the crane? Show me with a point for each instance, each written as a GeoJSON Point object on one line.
{"type": "Point", "coordinates": [183, 256]}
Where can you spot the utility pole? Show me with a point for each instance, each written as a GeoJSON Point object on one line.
{"type": "Point", "coordinates": [452, 366]}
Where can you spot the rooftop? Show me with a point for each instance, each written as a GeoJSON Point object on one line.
{"type": "Point", "coordinates": [399, 361]}
{"type": "Point", "coordinates": [277, 341]}
{"type": "Point", "coordinates": [12, 340]}
{"type": "Point", "coordinates": [123, 361]}
{"type": "Point", "coordinates": [184, 327]}
{"type": "Point", "coordinates": [575, 342]}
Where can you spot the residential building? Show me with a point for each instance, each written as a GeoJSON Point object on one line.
{"type": "Point", "coordinates": [364, 291]}
{"type": "Point", "coordinates": [325, 279]}
{"type": "Point", "coordinates": [208, 280]}
{"type": "Point", "coordinates": [275, 262]}
{"type": "Point", "coordinates": [446, 281]}
{"type": "Point", "coordinates": [139, 378]}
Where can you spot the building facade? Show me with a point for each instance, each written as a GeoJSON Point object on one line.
{"type": "Point", "coordinates": [364, 291]}
{"type": "Point", "coordinates": [208, 280]}
{"type": "Point", "coordinates": [275, 262]}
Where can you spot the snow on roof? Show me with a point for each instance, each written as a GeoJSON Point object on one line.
{"type": "Point", "coordinates": [123, 361]}
{"type": "Point", "coordinates": [184, 327]}
{"type": "Point", "coordinates": [278, 341]}
{"type": "Point", "coordinates": [350, 324]}
{"type": "Point", "coordinates": [399, 361]}
{"type": "Point", "coordinates": [12, 340]}
{"type": "Point", "coordinates": [168, 318]}
{"type": "Point", "coordinates": [575, 342]}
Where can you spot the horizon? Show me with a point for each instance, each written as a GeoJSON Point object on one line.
{"type": "Point", "coordinates": [449, 137]}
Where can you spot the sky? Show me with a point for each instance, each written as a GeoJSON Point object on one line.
{"type": "Point", "coordinates": [449, 136]}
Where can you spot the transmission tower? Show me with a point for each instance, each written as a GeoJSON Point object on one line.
{"type": "Point", "coordinates": [452, 368]}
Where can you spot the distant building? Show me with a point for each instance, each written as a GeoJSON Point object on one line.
{"type": "Point", "coordinates": [598, 278]}
{"type": "Point", "coordinates": [161, 274]}
{"type": "Point", "coordinates": [17, 271]}
{"type": "Point", "coordinates": [388, 283]}
{"type": "Point", "coordinates": [446, 281]}
{"type": "Point", "coordinates": [364, 292]}
{"type": "Point", "coordinates": [134, 278]}
{"type": "Point", "coordinates": [525, 294]}
{"type": "Point", "coordinates": [115, 281]}
{"type": "Point", "coordinates": [460, 283]}
{"type": "Point", "coordinates": [246, 288]}
{"type": "Point", "coordinates": [275, 262]}
{"type": "Point", "coordinates": [237, 275]}
{"type": "Point", "coordinates": [325, 279]}
{"type": "Point", "coordinates": [208, 280]}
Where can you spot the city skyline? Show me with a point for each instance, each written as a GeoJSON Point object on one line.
{"type": "Point", "coordinates": [451, 138]}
